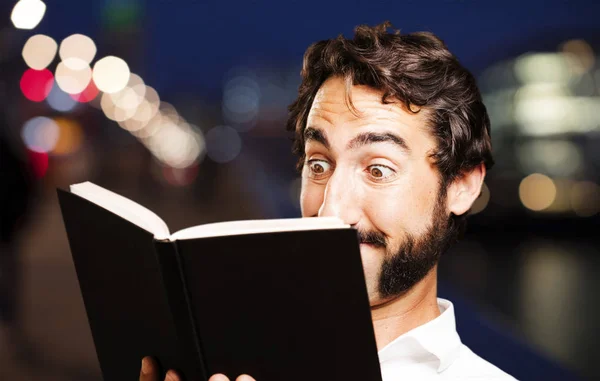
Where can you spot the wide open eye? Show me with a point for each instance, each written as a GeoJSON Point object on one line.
{"type": "Point", "coordinates": [318, 167]}
{"type": "Point", "coordinates": [380, 172]}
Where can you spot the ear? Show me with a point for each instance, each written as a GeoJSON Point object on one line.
{"type": "Point", "coordinates": [465, 189]}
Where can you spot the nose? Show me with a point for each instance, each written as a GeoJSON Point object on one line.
{"type": "Point", "coordinates": [341, 199]}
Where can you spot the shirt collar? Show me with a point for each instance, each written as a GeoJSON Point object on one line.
{"type": "Point", "coordinates": [437, 337]}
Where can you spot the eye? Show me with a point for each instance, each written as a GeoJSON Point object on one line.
{"type": "Point", "coordinates": [380, 172]}
{"type": "Point", "coordinates": [318, 167]}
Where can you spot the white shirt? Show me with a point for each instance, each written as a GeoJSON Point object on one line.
{"type": "Point", "coordinates": [434, 351]}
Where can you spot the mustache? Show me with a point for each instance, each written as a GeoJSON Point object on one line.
{"type": "Point", "coordinates": [372, 237]}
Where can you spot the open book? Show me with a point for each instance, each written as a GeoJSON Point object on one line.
{"type": "Point", "coordinates": [280, 299]}
{"type": "Point", "coordinates": [149, 221]}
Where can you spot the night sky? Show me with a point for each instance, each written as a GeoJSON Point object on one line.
{"type": "Point", "coordinates": [188, 45]}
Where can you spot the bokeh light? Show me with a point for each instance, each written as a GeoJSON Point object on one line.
{"type": "Point", "coordinates": [177, 146]}
{"type": "Point", "coordinates": [241, 98]}
{"type": "Point", "coordinates": [580, 55]}
{"type": "Point", "coordinates": [180, 176]}
{"type": "Point", "coordinates": [27, 14]}
{"type": "Point", "coordinates": [143, 114]}
{"type": "Point", "coordinates": [88, 94]}
{"type": "Point", "coordinates": [482, 201]}
{"type": "Point", "coordinates": [169, 111]}
{"type": "Point", "coordinates": [543, 108]}
{"type": "Point", "coordinates": [556, 157]}
{"type": "Point", "coordinates": [73, 75]}
{"type": "Point", "coordinates": [585, 198]}
{"type": "Point", "coordinates": [36, 84]}
{"type": "Point", "coordinates": [152, 97]}
{"type": "Point", "coordinates": [112, 111]}
{"type": "Point", "coordinates": [40, 134]}
{"type": "Point", "coordinates": [130, 97]}
{"type": "Point", "coordinates": [111, 74]}
{"type": "Point", "coordinates": [60, 101]}
{"type": "Point", "coordinates": [78, 46]}
{"type": "Point", "coordinates": [537, 192]}
{"type": "Point", "coordinates": [561, 202]}
{"type": "Point", "coordinates": [39, 163]}
{"type": "Point", "coordinates": [39, 51]}
{"type": "Point", "coordinates": [70, 136]}
{"type": "Point", "coordinates": [544, 94]}
{"type": "Point", "coordinates": [223, 144]}
{"type": "Point", "coordinates": [150, 128]}
{"type": "Point", "coordinates": [543, 68]}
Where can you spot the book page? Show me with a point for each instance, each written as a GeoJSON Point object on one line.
{"type": "Point", "coordinates": [123, 207]}
{"type": "Point", "coordinates": [259, 226]}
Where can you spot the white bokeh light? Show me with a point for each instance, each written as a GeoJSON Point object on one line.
{"type": "Point", "coordinates": [150, 128]}
{"type": "Point", "coordinates": [78, 46]}
{"type": "Point", "coordinates": [143, 114]}
{"type": "Point", "coordinates": [132, 95]}
{"type": "Point", "coordinates": [27, 14]}
{"type": "Point", "coordinates": [111, 74]}
{"type": "Point", "coordinates": [73, 75]}
{"type": "Point", "coordinates": [177, 146]}
{"type": "Point", "coordinates": [39, 51]}
{"type": "Point", "coordinates": [152, 97]}
{"type": "Point", "coordinates": [113, 111]}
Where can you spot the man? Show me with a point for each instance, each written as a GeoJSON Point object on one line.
{"type": "Point", "coordinates": [394, 139]}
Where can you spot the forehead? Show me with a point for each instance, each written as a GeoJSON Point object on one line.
{"type": "Point", "coordinates": [331, 110]}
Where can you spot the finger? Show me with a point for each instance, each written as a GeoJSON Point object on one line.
{"type": "Point", "coordinates": [172, 376]}
{"type": "Point", "coordinates": [149, 370]}
{"type": "Point", "coordinates": [244, 377]}
{"type": "Point", "coordinates": [218, 377]}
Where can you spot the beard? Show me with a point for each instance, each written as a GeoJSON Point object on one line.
{"type": "Point", "coordinates": [408, 264]}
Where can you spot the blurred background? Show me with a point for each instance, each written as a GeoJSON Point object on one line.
{"type": "Point", "coordinates": [180, 105]}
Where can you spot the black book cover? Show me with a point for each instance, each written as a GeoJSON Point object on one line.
{"type": "Point", "coordinates": [124, 294]}
{"type": "Point", "coordinates": [280, 306]}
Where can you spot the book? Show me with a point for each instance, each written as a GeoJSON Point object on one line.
{"type": "Point", "coordinates": [279, 299]}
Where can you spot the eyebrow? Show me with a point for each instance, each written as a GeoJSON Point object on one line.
{"type": "Point", "coordinates": [360, 140]}
{"type": "Point", "coordinates": [317, 135]}
{"type": "Point", "coordinates": [365, 138]}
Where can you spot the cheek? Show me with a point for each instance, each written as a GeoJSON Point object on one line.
{"type": "Point", "coordinates": [403, 208]}
{"type": "Point", "coordinates": [311, 198]}
{"type": "Point", "coordinates": [386, 209]}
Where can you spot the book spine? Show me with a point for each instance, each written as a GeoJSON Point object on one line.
{"type": "Point", "coordinates": [168, 258]}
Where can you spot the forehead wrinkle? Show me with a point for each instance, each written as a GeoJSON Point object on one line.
{"type": "Point", "coordinates": [365, 109]}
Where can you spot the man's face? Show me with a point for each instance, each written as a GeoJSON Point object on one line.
{"type": "Point", "coordinates": [374, 172]}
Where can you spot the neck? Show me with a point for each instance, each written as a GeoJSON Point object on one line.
{"type": "Point", "coordinates": [410, 310]}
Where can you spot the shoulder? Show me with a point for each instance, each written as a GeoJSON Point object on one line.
{"type": "Point", "coordinates": [469, 366]}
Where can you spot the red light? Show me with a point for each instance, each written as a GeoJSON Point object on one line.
{"type": "Point", "coordinates": [39, 163]}
{"type": "Point", "coordinates": [180, 176]}
{"type": "Point", "coordinates": [36, 84]}
{"type": "Point", "coordinates": [87, 95]}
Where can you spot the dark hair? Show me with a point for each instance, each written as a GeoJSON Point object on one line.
{"type": "Point", "coordinates": [416, 69]}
